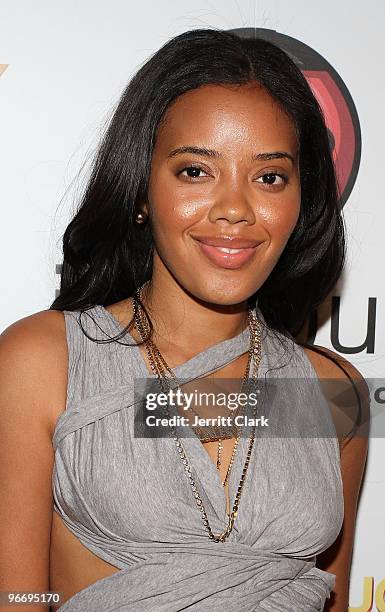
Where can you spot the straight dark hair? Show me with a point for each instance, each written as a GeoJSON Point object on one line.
{"type": "Point", "coordinates": [107, 256]}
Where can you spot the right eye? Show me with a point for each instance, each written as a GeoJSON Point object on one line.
{"type": "Point", "coordinates": [193, 170]}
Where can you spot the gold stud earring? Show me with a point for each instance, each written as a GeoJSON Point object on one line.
{"type": "Point", "coordinates": [140, 217]}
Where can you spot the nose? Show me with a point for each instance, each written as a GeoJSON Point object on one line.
{"type": "Point", "coordinates": [232, 203]}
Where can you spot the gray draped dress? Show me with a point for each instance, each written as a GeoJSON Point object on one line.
{"type": "Point", "coordinates": [128, 500]}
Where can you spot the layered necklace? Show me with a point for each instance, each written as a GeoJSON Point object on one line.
{"type": "Point", "coordinates": [163, 373]}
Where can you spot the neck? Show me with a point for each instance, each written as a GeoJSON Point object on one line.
{"type": "Point", "coordinates": [181, 320]}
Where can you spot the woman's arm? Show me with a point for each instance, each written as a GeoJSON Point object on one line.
{"type": "Point", "coordinates": [338, 557]}
{"type": "Point", "coordinates": [32, 382]}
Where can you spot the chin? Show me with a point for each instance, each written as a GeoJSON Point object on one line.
{"type": "Point", "coordinates": [222, 296]}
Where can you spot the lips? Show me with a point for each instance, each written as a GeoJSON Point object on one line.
{"type": "Point", "coordinates": [233, 242]}
{"type": "Point", "coordinates": [219, 254]}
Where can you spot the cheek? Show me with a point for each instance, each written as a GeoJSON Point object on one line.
{"type": "Point", "coordinates": [280, 218]}
{"type": "Point", "coordinates": [173, 210]}
{"type": "Point", "coordinates": [171, 219]}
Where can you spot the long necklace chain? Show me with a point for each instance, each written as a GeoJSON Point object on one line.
{"type": "Point", "coordinates": [232, 458]}
{"type": "Point", "coordinates": [160, 366]}
{"type": "Point", "coordinates": [156, 366]}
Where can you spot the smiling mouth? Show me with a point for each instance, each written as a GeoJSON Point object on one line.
{"type": "Point", "coordinates": [225, 250]}
{"type": "Point", "coordinates": [226, 257]}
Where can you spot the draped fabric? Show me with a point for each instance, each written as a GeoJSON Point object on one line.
{"type": "Point", "coordinates": [128, 500]}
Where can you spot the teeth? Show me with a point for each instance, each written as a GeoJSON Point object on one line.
{"type": "Point", "coordinates": [225, 250]}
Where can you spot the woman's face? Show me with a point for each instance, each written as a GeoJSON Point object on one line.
{"type": "Point", "coordinates": [224, 166]}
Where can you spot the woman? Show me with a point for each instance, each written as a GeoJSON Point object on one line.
{"type": "Point", "coordinates": [216, 144]}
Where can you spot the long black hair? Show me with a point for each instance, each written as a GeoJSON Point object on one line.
{"type": "Point", "coordinates": [107, 256]}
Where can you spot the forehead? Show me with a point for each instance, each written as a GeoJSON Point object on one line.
{"type": "Point", "coordinates": [229, 116]}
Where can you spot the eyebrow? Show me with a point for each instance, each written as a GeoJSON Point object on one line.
{"type": "Point", "coordinates": [212, 153]}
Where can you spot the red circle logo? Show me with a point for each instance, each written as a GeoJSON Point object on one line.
{"type": "Point", "coordinates": [334, 98]}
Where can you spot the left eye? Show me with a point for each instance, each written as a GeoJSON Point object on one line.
{"type": "Point", "coordinates": [270, 178]}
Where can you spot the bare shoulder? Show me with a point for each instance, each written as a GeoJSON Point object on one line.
{"type": "Point", "coordinates": [33, 357]}
{"type": "Point", "coordinates": [44, 323]}
{"type": "Point", "coordinates": [347, 392]}
{"type": "Point", "coordinates": [330, 364]}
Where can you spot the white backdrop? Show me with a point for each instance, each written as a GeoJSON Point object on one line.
{"type": "Point", "coordinates": [64, 65]}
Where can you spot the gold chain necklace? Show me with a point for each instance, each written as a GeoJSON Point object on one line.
{"type": "Point", "coordinates": [160, 368]}
{"type": "Point", "coordinates": [159, 365]}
